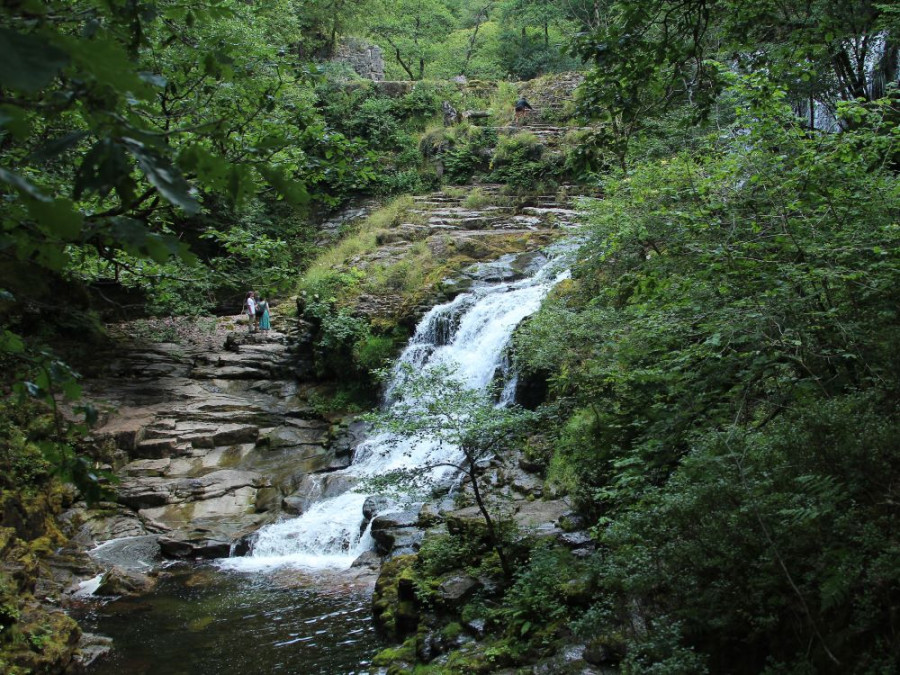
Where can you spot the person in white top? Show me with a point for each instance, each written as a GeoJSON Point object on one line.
{"type": "Point", "coordinates": [250, 310]}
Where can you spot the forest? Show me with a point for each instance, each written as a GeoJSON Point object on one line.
{"type": "Point", "coordinates": [717, 383]}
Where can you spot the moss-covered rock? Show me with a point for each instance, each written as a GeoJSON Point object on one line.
{"type": "Point", "coordinates": [34, 638]}
{"type": "Point", "coordinates": [395, 608]}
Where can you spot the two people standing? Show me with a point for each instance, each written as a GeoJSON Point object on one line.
{"type": "Point", "coordinates": [257, 311]}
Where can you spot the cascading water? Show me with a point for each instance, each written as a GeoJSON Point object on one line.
{"type": "Point", "coordinates": [468, 336]}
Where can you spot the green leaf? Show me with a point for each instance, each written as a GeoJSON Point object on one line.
{"type": "Point", "coordinates": [57, 146]}
{"type": "Point", "coordinates": [10, 343]}
{"type": "Point", "coordinates": [22, 185]}
{"type": "Point", "coordinates": [29, 64]}
{"type": "Point", "coordinates": [103, 167]}
{"type": "Point", "coordinates": [59, 218]}
{"type": "Point", "coordinates": [71, 390]}
{"type": "Point", "coordinates": [15, 119]}
{"type": "Point", "coordinates": [294, 192]}
{"type": "Point", "coordinates": [109, 64]}
{"type": "Point", "coordinates": [163, 176]}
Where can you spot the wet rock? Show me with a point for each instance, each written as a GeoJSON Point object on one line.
{"type": "Point", "coordinates": [148, 493]}
{"type": "Point", "coordinates": [404, 542]}
{"type": "Point", "coordinates": [476, 627]}
{"type": "Point", "coordinates": [155, 448]}
{"type": "Point", "coordinates": [138, 553]}
{"type": "Point", "coordinates": [568, 661]}
{"type": "Point", "coordinates": [396, 519]}
{"type": "Point", "coordinates": [267, 499]}
{"type": "Point", "coordinates": [395, 609]}
{"type": "Point", "coordinates": [540, 517]}
{"type": "Point", "coordinates": [395, 531]}
{"type": "Point", "coordinates": [572, 521]}
{"type": "Point", "coordinates": [91, 647]}
{"type": "Point", "coordinates": [186, 547]}
{"type": "Point", "coordinates": [147, 468]}
{"type": "Point", "coordinates": [527, 484]}
{"type": "Point", "coordinates": [294, 505]}
{"type": "Point", "coordinates": [349, 437]}
{"type": "Point", "coordinates": [122, 581]}
{"type": "Point", "coordinates": [599, 653]}
{"type": "Point", "coordinates": [144, 493]}
{"type": "Point", "coordinates": [576, 540]}
{"type": "Point", "coordinates": [293, 436]}
{"type": "Point", "coordinates": [102, 522]}
{"type": "Point", "coordinates": [375, 505]}
{"type": "Point", "coordinates": [368, 559]}
{"type": "Point", "coordinates": [457, 589]}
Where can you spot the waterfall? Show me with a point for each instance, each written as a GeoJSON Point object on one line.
{"type": "Point", "coordinates": [469, 335]}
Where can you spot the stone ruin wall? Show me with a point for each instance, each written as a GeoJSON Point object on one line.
{"type": "Point", "coordinates": [365, 59]}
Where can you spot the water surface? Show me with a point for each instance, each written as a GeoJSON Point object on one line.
{"type": "Point", "coordinates": [204, 621]}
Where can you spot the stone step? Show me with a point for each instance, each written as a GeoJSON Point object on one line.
{"type": "Point", "coordinates": [156, 448]}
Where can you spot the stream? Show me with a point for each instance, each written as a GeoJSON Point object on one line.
{"type": "Point", "coordinates": [287, 606]}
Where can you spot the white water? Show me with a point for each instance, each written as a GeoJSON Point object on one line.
{"type": "Point", "coordinates": [468, 336]}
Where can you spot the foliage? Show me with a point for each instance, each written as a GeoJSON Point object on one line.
{"type": "Point", "coordinates": [517, 161]}
{"type": "Point", "coordinates": [412, 30]}
{"type": "Point", "coordinates": [537, 599]}
{"type": "Point", "coordinates": [724, 365]}
{"type": "Point", "coordinates": [435, 405]}
{"type": "Point", "coordinates": [652, 56]}
{"type": "Point", "coordinates": [466, 152]}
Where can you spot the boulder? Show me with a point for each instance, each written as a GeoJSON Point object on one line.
{"type": "Point", "coordinates": [455, 590]}
{"type": "Point", "coordinates": [376, 504]}
{"type": "Point", "coordinates": [120, 581]}
{"type": "Point", "coordinates": [576, 540]}
{"type": "Point", "coordinates": [292, 435]}
{"type": "Point", "coordinates": [396, 533]}
{"type": "Point", "coordinates": [91, 647]}
{"type": "Point", "coordinates": [185, 546]}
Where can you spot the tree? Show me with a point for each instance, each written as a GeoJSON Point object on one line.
{"type": "Point", "coordinates": [434, 405]}
{"type": "Point", "coordinates": [651, 56]}
{"type": "Point", "coordinates": [725, 362]}
{"type": "Point", "coordinates": [414, 29]}
{"type": "Point", "coordinates": [324, 22]}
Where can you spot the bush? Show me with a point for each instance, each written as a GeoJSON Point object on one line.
{"type": "Point", "coordinates": [517, 161]}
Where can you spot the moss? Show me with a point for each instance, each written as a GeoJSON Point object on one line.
{"type": "Point", "coordinates": [397, 659]}
{"type": "Point", "coordinates": [33, 637]}
{"type": "Point", "coordinates": [452, 630]}
{"type": "Point", "coordinates": [394, 605]}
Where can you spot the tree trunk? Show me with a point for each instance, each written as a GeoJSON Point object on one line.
{"type": "Point", "coordinates": [488, 521]}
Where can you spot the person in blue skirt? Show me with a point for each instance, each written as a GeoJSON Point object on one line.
{"type": "Point", "coordinates": [262, 311]}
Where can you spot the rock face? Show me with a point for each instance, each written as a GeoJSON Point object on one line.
{"type": "Point", "coordinates": [206, 442]}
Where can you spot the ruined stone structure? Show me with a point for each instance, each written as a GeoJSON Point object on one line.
{"type": "Point", "coordinates": [367, 60]}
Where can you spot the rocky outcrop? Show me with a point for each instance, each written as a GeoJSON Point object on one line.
{"type": "Point", "coordinates": [206, 441]}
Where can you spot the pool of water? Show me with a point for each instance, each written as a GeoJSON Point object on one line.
{"type": "Point", "coordinates": [204, 621]}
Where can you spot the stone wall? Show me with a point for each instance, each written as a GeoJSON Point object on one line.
{"type": "Point", "coordinates": [367, 60]}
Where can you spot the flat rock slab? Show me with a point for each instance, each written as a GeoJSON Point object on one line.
{"type": "Point", "coordinates": [296, 435]}
{"type": "Point", "coordinates": [153, 492]}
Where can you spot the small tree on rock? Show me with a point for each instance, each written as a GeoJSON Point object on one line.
{"type": "Point", "coordinates": [435, 405]}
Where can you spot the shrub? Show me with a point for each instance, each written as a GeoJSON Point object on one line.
{"type": "Point", "coordinates": [517, 161]}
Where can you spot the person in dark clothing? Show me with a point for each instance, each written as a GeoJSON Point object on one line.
{"type": "Point", "coordinates": [523, 107]}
